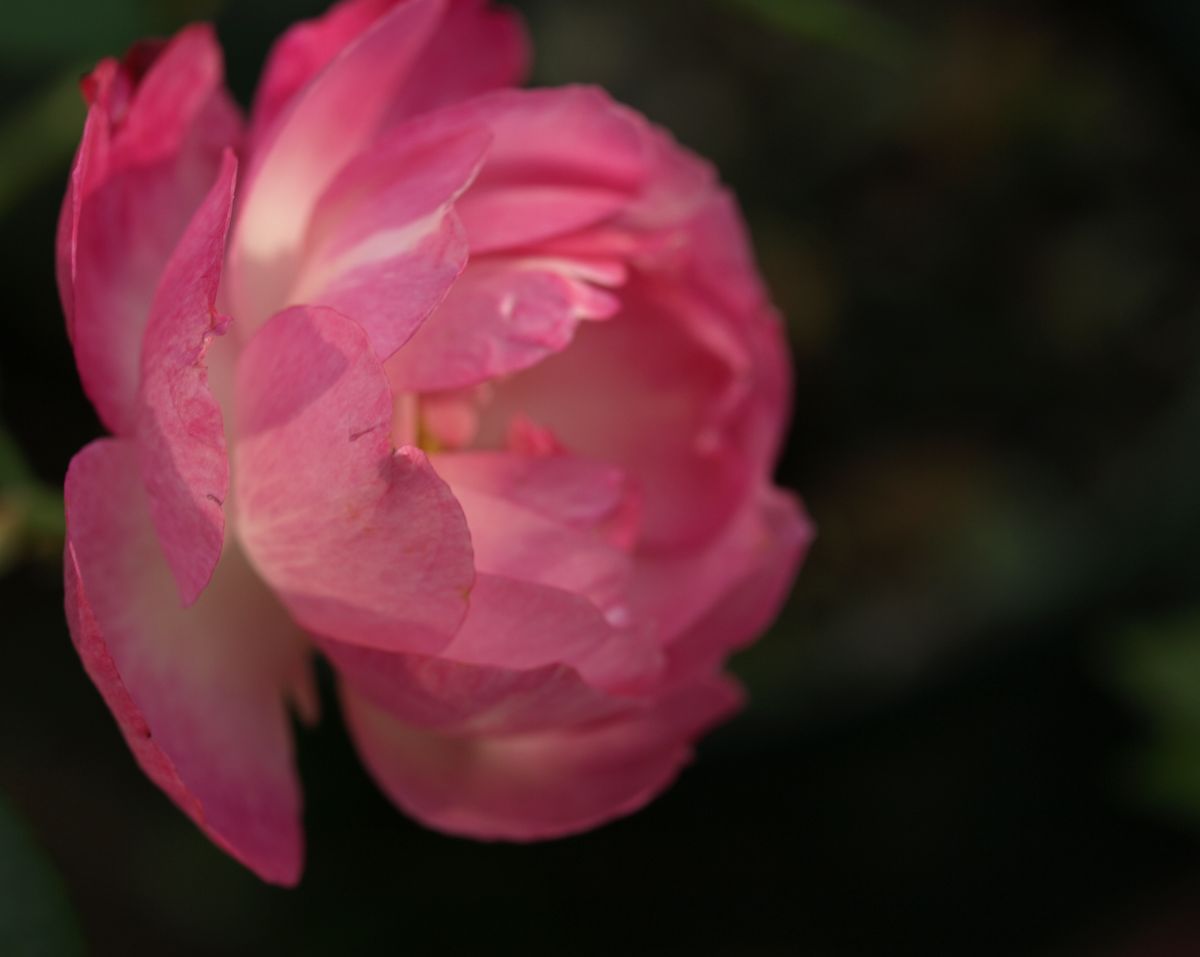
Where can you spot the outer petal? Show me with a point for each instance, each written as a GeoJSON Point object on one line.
{"type": "Point", "coordinates": [477, 47]}
{"type": "Point", "coordinates": [339, 114]}
{"type": "Point", "coordinates": [524, 625]}
{"type": "Point", "coordinates": [709, 606]}
{"type": "Point", "coordinates": [561, 160]}
{"type": "Point", "coordinates": [525, 787]}
{"type": "Point", "coordinates": [528, 657]}
{"type": "Point", "coordinates": [362, 543]}
{"type": "Point", "coordinates": [150, 151]}
{"type": "Point", "coordinates": [181, 435]}
{"type": "Point", "coordinates": [505, 314]}
{"type": "Point", "coordinates": [723, 269]}
{"type": "Point", "coordinates": [199, 695]}
{"type": "Point", "coordinates": [299, 56]}
{"type": "Point", "coordinates": [488, 681]}
{"type": "Point", "coordinates": [384, 245]}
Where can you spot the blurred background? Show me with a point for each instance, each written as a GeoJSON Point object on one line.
{"type": "Point", "coordinates": [976, 728]}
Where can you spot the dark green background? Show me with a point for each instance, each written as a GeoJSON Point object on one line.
{"type": "Point", "coordinates": [976, 728]}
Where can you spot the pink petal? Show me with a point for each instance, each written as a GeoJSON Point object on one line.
{"type": "Point", "coordinates": [724, 271]}
{"type": "Point", "coordinates": [511, 538]}
{"type": "Point", "coordinates": [384, 245]}
{"type": "Point", "coordinates": [487, 679]}
{"type": "Point", "coordinates": [543, 523]}
{"type": "Point", "coordinates": [199, 694]}
{"type": "Point", "coordinates": [524, 787]}
{"type": "Point", "coordinates": [708, 606]}
{"type": "Point", "coordinates": [150, 151]}
{"type": "Point", "coordinates": [339, 114]}
{"type": "Point", "coordinates": [561, 160]}
{"type": "Point", "coordinates": [362, 543]}
{"type": "Point", "coordinates": [181, 434]}
{"type": "Point", "coordinates": [645, 392]}
{"type": "Point", "coordinates": [524, 625]}
{"type": "Point", "coordinates": [504, 315]}
{"type": "Point", "coordinates": [529, 655]}
{"type": "Point", "coordinates": [477, 47]}
{"type": "Point", "coordinates": [302, 52]}
{"type": "Point", "coordinates": [573, 491]}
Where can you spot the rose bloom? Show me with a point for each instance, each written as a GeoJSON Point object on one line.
{"type": "Point", "coordinates": [475, 391]}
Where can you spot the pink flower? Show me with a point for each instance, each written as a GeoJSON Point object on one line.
{"type": "Point", "coordinates": [474, 390]}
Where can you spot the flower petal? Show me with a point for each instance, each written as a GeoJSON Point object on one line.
{"type": "Point", "coordinates": [180, 431]}
{"type": "Point", "coordinates": [198, 694]}
{"type": "Point", "coordinates": [522, 625]}
{"type": "Point", "coordinates": [709, 606]}
{"type": "Point", "coordinates": [561, 160]}
{"type": "Point", "coordinates": [477, 47]}
{"type": "Point", "coordinates": [574, 491]}
{"type": "Point", "coordinates": [338, 115]}
{"type": "Point", "coordinates": [642, 390]}
{"type": "Point", "coordinates": [538, 785]}
{"type": "Point", "coordinates": [362, 543]}
{"type": "Point", "coordinates": [513, 539]}
{"type": "Point", "coordinates": [384, 245]}
{"type": "Point", "coordinates": [151, 149]}
{"type": "Point", "coordinates": [448, 694]}
{"type": "Point", "coordinates": [503, 315]}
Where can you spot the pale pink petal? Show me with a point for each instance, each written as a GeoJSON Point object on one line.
{"type": "Point", "coordinates": [302, 52]}
{"type": "Point", "coordinates": [437, 694]}
{"type": "Point", "coordinates": [180, 431]}
{"type": "Point", "coordinates": [527, 658]}
{"type": "Point", "coordinates": [642, 391]}
{"type": "Point", "coordinates": [503, 315]}
{"type": "Point", "coordinates": [723, 269]}
{"type": "Point", "coordinates": [519, 540]}
{"type": "Point", "coordinates": [524, 787]}
{"type": "Point", "coordinates": [561, 160]}
{"type": "Point", "coordinates": [150, 152]}
{"type": "Point", "coordinates": [477, 47]}
{"type": "Point", "coordinates": [522, 625]}
{"type": "Point", "coordinates": [578, 492]}
{"type": "Point", "coordinates": [384, 245]}
{"type": "Point", "coordinates": [199, 694]}
{"type": "Point", "coordinates": [713, 604]}
{"type": "Point", "coordinates": [362, 542]}
{"type": "Point", "coordinates": [338, 115]}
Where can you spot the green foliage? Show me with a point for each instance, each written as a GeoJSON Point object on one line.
{"type": "Point", "coordinates": [63, 31]}
{"type": "Point", "coordinates": [1159, 668]}
{"type": "Point", "coordinates": [31, 515]}
{"type": "Point", "coordinates": [36, 919]}
{"type": "Point", "coordinates": [38, 136]}
{"type": "Point", "coordinates": [839, 24]}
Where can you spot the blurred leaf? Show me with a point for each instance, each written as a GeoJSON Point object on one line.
{"type": "Point", "coordinates": [13, 469]}
{"type": "Point", "coordinates": [1159, 669]}
{"type": "Point", "coordinates": [36, 919]}
{"type": "Point", "coordinates": [69, 30]}
{"type": "Point", "coordinates": [38, 137]}
{"type": "Point", "coordinates": [839, 24]}
{"type": "Point", "coordinates": [31, 514]}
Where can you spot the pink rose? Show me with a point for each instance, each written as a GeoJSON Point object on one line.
{"type": "Point", "coordinates": [474, 390]}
